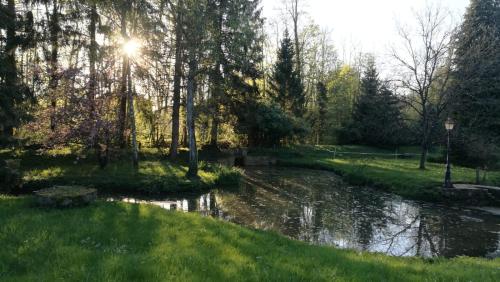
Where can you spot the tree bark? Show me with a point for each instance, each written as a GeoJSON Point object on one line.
{"type": "Point", "coordinates": [94, 139]}
{"type": "Point", "coordinates": [92, 59]}
{"type": "Point", "coordinates": [295, 18]}
{"type": "Point", "coordinates": [191, 91]}
{"type": "Point", "coordinates": [217, 79]}
{"type": "Point", "coordinates": [122, 111]}
{"type": "Point", "coordinates": [423, 157]}
{"type": "Point", "coordinates": [174, 145]}
{"type": "Point", "coordinates": [54, 55]}
{"type": "Point", "coordinates": [11, 68]}
{"type": "Point", "coordinates": [131, 113]}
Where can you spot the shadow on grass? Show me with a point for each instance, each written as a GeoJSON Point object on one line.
{"type": "Point", "coordinates": [123, 242]}
{"type": "Point", "coordinates": [155, 175]}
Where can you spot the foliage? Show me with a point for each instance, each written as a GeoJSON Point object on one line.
{"type": "Point", "coordinates": [476, 84]}
{"type": "Point", "coordinates": [286, 87]}
{"type": "Point", "coordinates": [10, 176]}
{"type": "Point", "coordinates": [377, 119]}
{"type": "Point", "coordinates": [343, 90]}
{"type": "Point", "coordinates": [268, 125]}
{"type": "Point", "coordinates": [15, 96]}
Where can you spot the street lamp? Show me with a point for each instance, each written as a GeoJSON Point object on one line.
{"type": "Point", "coordinates": [449, 125]}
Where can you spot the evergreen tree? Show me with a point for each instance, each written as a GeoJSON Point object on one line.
{"type": "Point", "coordinates": [235, 52]}
{"type": "Point", "coordinates": [377, 117]}
{"type": "Point", "coordinates": [477, 82]}
{"type": "Point", "coordinates": [13, 93]}
{"type": "Point", "coordinates": [285, 86]}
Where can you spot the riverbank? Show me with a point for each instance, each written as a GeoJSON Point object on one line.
{"type": "Point", "coordinates": [377, 168]}
{"type": "Point", "coordinates": [155, 175]}
{"type": "Point", "coordinates": [124, 242]}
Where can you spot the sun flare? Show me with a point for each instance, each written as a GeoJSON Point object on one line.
{"type": "Point", "coordinates": [131, 47]}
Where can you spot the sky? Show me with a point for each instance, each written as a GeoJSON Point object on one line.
{"type": "Point", "coordinates": [367, 26]}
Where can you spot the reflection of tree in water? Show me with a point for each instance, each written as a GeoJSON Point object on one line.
{"type": "Point", "coordinates": [434, 232]}
{"type": "Point", "coordinates": [454, 233]}
{"type": "Point", "coordinates": [368, 214]}
{"type": "Point", "coordinates": [317, 207]}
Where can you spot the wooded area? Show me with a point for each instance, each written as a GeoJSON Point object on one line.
{"type": "Point", "coordinates": [206, 74]}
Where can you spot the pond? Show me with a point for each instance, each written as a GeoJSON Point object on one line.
{"type": "Point", "coordinates": [319, 208]}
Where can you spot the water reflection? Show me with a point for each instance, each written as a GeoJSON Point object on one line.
{"type": "Point", "coordinates": [317, 207]}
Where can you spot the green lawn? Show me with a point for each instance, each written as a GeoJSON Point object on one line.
{"type": "Point", "coordinates": [400, 176]}
{"type": "Point", "coordinates": [125, 242]}
{"type": "Point", "coordinates": [155, 174]}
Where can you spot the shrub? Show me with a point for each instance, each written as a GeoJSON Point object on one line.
{"type": "Point", "coordinates": [10, 176]}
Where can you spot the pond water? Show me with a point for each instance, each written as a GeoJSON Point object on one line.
{"type": "Point", "coordinates": [318, 207]}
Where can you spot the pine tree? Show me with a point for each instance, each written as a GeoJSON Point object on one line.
{"type": "Point", "coordinates": [377, 117]}
{"type": "Point", "coordinates": [285, 86]}
{"type": "Point", "coordinates": [477, 80]}
{"type": "Point", "coordinates": [235, 51]}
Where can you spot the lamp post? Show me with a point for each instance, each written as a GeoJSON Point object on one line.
{"type": "Point", "coordinates": [449, 125]}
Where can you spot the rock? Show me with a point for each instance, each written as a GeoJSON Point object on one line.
{"type": "Point", "coordinates": [65, 196]}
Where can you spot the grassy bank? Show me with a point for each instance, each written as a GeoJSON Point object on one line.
{"type": "Point", "coordinates": [380, 169]}
{"type": "Point", "coordinates": [123, 242]}
{"type": "Point", "coordinates": [154, 175]}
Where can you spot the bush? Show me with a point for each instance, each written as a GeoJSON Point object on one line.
{"type": "Point", "coordinates": [474, 151]}
{"type": "Point", "coordinates": [10, 176]}
{"type": "Point", "coordinates": [267, 125]}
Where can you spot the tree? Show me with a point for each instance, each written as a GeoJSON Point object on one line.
{"type": "Point", "coordinates": [377, 119]}
{"type": "Point", "coordinates": [476, 84]}
{"type": "Point", "coordinates": [234, 45]}
{"type": "Point", "coordinates": [292, 8]}
{"type": "Point", "coordinates": [194, 23]}
{"type": "Point", "coordinates": [424, 62]}
{"type": "Point", "coordinates": [13, 93]}
{"type": "Point", "coordinates": [285, 85]}
{"type": "Point", "coordinates": [177, 79]}
{"type": "Point", "coordinates": [322, 110]}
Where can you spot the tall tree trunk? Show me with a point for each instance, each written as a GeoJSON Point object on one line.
{"type": "Point", "coordinates": [11, 66]}
{"type": "Point", "coordinates": [217, 79]}
{"type": "Point", "coordinates": [54, 55]}
{"type": "Point", "coordinates": [184, 139]}
{"type": "Point", "coordinates": [93, 78]}
{"type": "Point", "coordinates": [174, 145]}
{"type": "Point", "coordinates": [92, 59]}
{"type": "Point", "coordinates": [295, 18]}
{"type": "Point", "coordinates": [191, 91]}
{"type": "Point", "coordinates": [122, 111]}
{"type": "Point", "coordinates": [131, 113]}
{"type": "Point", "coordinates": [423, 157]}
{"type": "Point", "coordinates": [425, 140]}
{"type": "Point", "coordinates": [101, 150]}
{"type": "Point", "coordinates": [217, 92]}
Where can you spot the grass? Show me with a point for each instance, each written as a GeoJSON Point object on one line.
{"type": "Point", "coordinates": [125, 242]}
{"type": "Point", "coordinates": [400, 176]}
{"type": "Point", "coordinates": [155, 173]}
